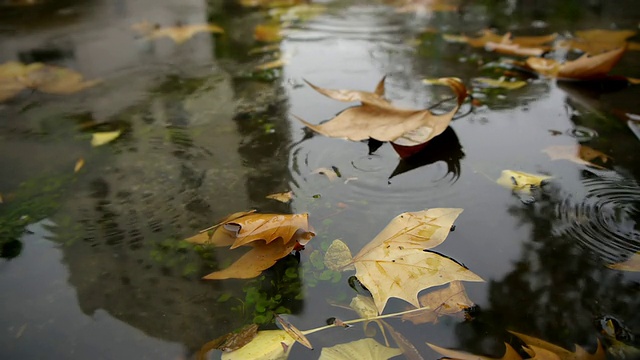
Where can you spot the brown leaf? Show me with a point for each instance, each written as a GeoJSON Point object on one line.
{"type": "Point", "coordinates": [222, 238]}
{"type": "Point", "coordinates": [514, 49]}
{"type": "Point", "coordinates": [284, 197]}
{"type": "Point", "coordinates": [598, 40]}
{"type": "Point", "coordinates": [585, 67]}
{"type": "Point", "coordinates": [408, 349]}
{"type": "Point", "coordinates": [561, 353]}
{"type": "Point", "coordinates": [182, 33]}
{"type": "Point", "coordinates": [448, 301]}
{"type": "Point", "coordinates": [510, 354]}
{"type": "Point", "coordinates": [579, 154]}
{"type": "Point", "coordinates": [269, 227]}
{"type": "Point", "coordinates": [261, 257]}
{"type": "Point", "coordinates": [229, 342]}
{"type": "Point", "coordinates": [294, 332]}
{"type": "Point", "coordinates": [376, 118]}
{"type": "Point", "coordinates": [489, 36]}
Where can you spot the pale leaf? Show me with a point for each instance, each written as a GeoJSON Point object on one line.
{"type": "Point", "coordinates": [598, 40]}
{"type": "Point", "coordinates": [579, 154]}
{"type": "Point", "coordinates": [510, 354]}
{"type": "Point", "coordinates": [79, 165]}
{"type": "Point", "coordinates": [397, 262]}
{"type": "Point", "coordinates": [585, 67]}
{"type": "Point", "coordinates": [631, 264]}
{"type": "Point", "coordinates": [329, 173]}
{"type": "Point", "coordinates": [275, 64]}
{"type": "Point", "coordinates": [364, 306]}
{"type": "Point", "coordinates": [102, 138]}
{"type": "Point", "coordinates": [269, 227]}
{"type": "Point", "coordinates": [182, 33]}
{"type": "Point", "coordinates": [230, 342]}
{"type": "Point", "coordinates": [513, 49]}
{"type": "Point", "coordinates": [338, 256]}
{"type": "Point", "coordinates": [267, 345]}
{"type": "Point", "coordinates": [360, 349]}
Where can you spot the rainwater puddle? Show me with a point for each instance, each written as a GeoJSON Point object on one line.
{"type": "Point", "coordinates": [93, 262]}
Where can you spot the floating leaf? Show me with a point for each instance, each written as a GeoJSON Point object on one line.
{"type": "Point", "coordinates": [360, 349]}
{"type": "Point", "coordinates": [561, 353]}
{"type": "Point", "coordinates": [376, 118]}
{"type": "Point", "coordinates": [599, 40]}
{"type": "Point", "coordinates": [267, 345]}
{"type": "Point", "coordinates": [182, 33]}
{"type": "Point", "coordinates": [418, 6]}
{"type": "Point", "coordinates": [275, 64]}
{"type": "Point", "coordinates": [448, 301]}
{"type": "Point", "coordinates": [284, 197]}
{"type": "Point", "coordinates": [489, 36]}
{"type": "Point", "coordinates": [397, 262]}
{"type": "Point", "coordinates": [268, 227]}
{"type": "Point", "coordinates": [79, 165]}
{"type": "Point", "coordinates": [294, 332]}
{"type": "Point", "coordinates": [230, 342]}
{"type": "Point", "coordinates": [102, 138]}
{"type": "Point", "coordinates": [510, 354]}
{"type": "Point", "coordinates": [632, 264]}
{"type": "Point", "coordinates": [585, 67]}
{"type": "Point", "coordinates": [500, 83]}
{"type": "Point", "coordinates": [579, 154]}
{"type": "Point", "coordinates": [514, 49]}
{"type": "Point", "coordinates": [338, 256]}
{"type": "Point", "coordinates": [521, 181]}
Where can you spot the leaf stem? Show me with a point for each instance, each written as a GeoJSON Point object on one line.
{"type": "Point", "coordinates": [359, 320]}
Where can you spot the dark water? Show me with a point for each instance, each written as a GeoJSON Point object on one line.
{"type": "Point", "coordinates": [101, 272]}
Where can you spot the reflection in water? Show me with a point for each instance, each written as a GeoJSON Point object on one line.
{"type": "Point", "coordinates": [445, 147]}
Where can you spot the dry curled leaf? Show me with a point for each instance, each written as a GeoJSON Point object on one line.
{"type": "Point", "coordinates": [597, 41]}
{"type": "Point", "coordinates": [294, 332]}
{"type": "Point", "coordinates": [585, 67]}
{"type": "Point", "coordinates": [398, 263]}
{"type": "Point", "coordinates": [631, 264]}
{"type": "Point", "coordinates": [284, 197]}
{"type": "Point", "coordinates": [360, 349]}
{"type": "Point", "coordinates": [489, 39]}
{"type": "Point", "coordinates": [448, 301]}
{"type": "Point", "coordinates": [378, 119]}
{"type": "Point", "coordinates": [579, 154]}
{"type": "Point", "coordinates": [579, 354]}
{"type": "Point", "coordinates": [182, 33]}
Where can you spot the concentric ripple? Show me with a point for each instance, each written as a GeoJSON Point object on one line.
{"type": "Point", "coordinates": [605, 221]}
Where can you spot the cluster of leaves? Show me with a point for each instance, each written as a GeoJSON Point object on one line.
{"type": "Point", "coordinates": [16, 77]}
{"type": "Point", "coordinates": [601, 51]}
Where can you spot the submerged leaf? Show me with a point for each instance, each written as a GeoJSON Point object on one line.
{"type": "Point", "coordinates": [378, 119]}
{"type": "Point", "coordinates": [448, 301]}
{"type": "Point", "coordinates": [230, 342]}
{"type": "Point", "coordinates": [396, 263]}
{"type": "Point", "coordinates": [360, 349]}
{"type": "Point", "coordinates": [261, 257]}
{"type": "Point", "coordinates": [510, 354]}
{"type": "Point", "coordinates": [521, 181]}
{"type": "Point", "coordinates": [101, 138]}
{"type": "Point", "coordinates": [631, 264]}
{"type": "Point", "coordinates": [182, 33]}
{"type": "Point", "coordinates": [364, 306]}
{"type": "Point", "coordinates": [267, 345]}
{"type": "Point", "coordinates": [338, 256]}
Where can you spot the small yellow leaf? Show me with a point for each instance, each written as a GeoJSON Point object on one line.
{"type": "Point", "coordinates": [267, 32]}
{"type": "Point", "coordinates": [101, 138]}
{"type": "Point", "coordinates": [79, 165]}
{"type": "Point", "coordinates": [338, 256]}
{"type": "Point", "coordinates": [500, 83]}
{"type": "Point", "coordinates": [521, 181]}
{"type": "Point", "coordinates": [182, 33]}
{"type": "Point", "coordinates": [632, 264]}
{"type": "Point", "coordinates": [294, 332]}
{"type": "Point", "coordinates": [360, 349]}
{"type": "Point", "coordinates": [284, 197]}
{"type": "Point", "coordinates": [267, 345]}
